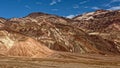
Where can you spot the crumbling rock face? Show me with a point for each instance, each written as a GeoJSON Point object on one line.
{"type": "Point", "coordinates": [2, 20]}
{"type": "Point", "coordinates": [58, 34]}
{"type": "Point", "coordinates": [103, 23]}
{"type": "Point", "coordinates": [99, 21]}
{"type": "Point", "coordinates": [14, 44]}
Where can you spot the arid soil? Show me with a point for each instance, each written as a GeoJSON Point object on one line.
{"type": "Point", "coordinates": [82, 61]}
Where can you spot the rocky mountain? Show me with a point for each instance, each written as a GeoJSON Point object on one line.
{"type": "Point", "coordinates": [15, 44]}
{"type": "Point", "coordinates": [102, 23]}
{"type": "Point", "coordinates": [2, 20]}
{"type": "Point", "coordinates": [57, 33]}
{"type": "Point", "coordinates": [91, 40]}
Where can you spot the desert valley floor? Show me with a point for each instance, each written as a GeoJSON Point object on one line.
{"type": "Point", "coordinates": [83, 61]}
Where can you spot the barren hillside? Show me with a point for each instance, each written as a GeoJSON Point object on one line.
{"type": "Point", "coordinates": [57, 33]}
{"type": "Point", "coordinates": [102, 23]}
{"type": "Point", "coordinates": [91, 40]}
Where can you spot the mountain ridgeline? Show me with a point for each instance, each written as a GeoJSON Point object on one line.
{"type": "Point", "coordinates": [40, 34]}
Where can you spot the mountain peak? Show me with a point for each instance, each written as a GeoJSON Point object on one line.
{"type": "Point", "coordinates": [35, 14]}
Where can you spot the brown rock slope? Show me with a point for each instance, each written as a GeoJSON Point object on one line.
{"type": "Point", "coordinates": [2, 20]}
{"type": "Point", "coordinates": [14, 44]}
{"type": "Point", "coordinates": [101, 23]}
{"type": "Point", "coordinates": [58, 33]}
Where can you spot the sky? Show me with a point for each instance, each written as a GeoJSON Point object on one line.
{"type": "Point", "coordinates": [65, 8]}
